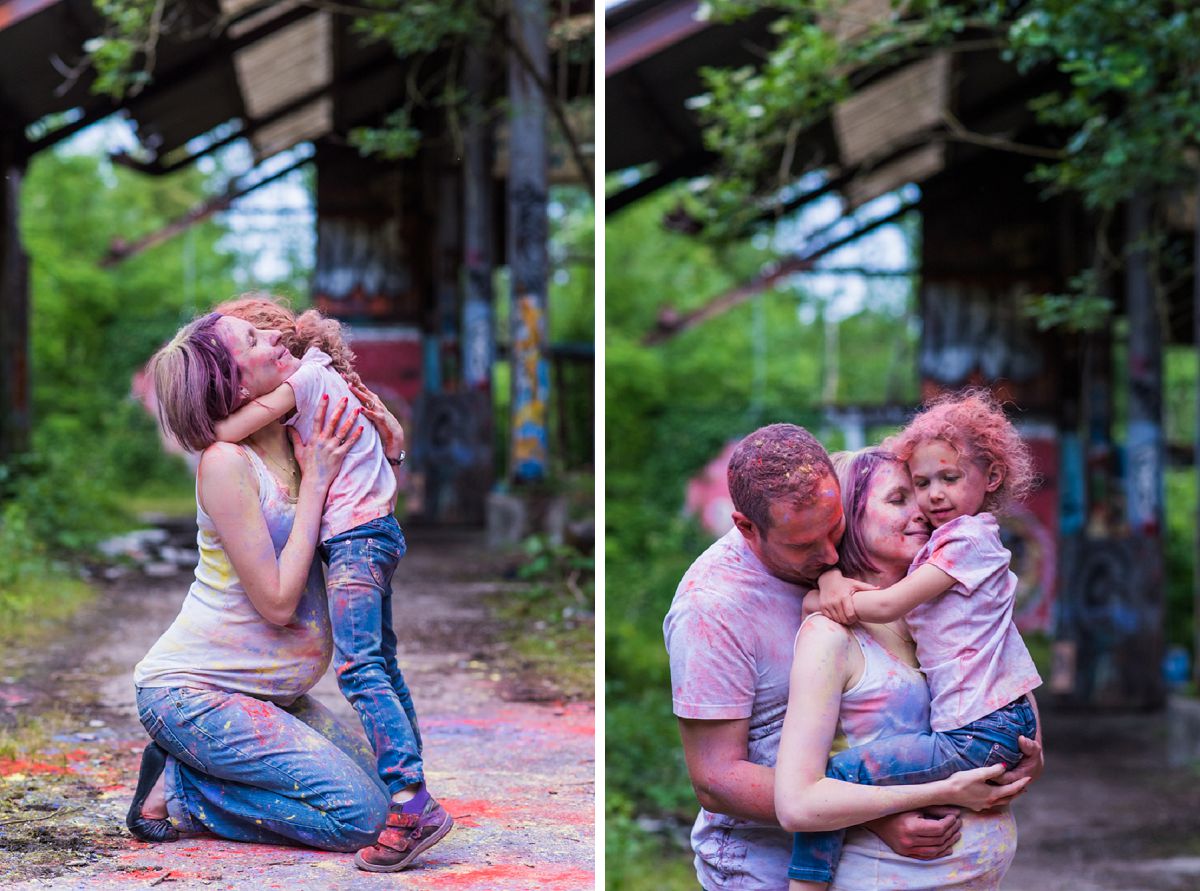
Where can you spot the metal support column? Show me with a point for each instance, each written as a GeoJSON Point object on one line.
{"type": "Point", "coordinates": [1145, 455]}
{"type": "Point", "coordinates": [477, 339]}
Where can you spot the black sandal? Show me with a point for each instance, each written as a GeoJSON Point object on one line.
{"type": "Point", "coordinates": [154, 760]}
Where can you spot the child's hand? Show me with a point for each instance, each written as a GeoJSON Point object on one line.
{"type": "Point", "coordinates": [837, 596]}
{"type": "Point", "coordinates": [391, 434]}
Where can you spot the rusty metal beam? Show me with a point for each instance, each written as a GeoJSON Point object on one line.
{"type": "Point", "coordinates": [669, 327]}
{"type": "Point", "coordinates": [222, 51]}
{"type": "Point", "coordinates": [13, 11]}
{"type": "Point", "coordinates": [667, 24]}
{"type": "Point", "coordinates": [120, 251]}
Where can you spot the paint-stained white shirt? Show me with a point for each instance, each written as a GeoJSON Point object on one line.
{"type": "Point", "coordinates": [889, 699]}
{"type": "Point", "coordinates": [729, 636]}
{"type": "Point", "coordinates": [220, 641]}
{"type": "Point", "coordinates": [967, 644]}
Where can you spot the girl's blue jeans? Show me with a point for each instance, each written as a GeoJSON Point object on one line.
{"type": "Point", "coordinates": [249, 770]}
{"type": "Point", "coordinates": [908, 759]}
{"type": "Point", "coordinates": [359, 584]}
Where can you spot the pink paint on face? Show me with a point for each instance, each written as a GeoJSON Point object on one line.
{"type": "Point", "coordinates": [948, 486]}
{"type": "Point", "coordinates": [264, 362]}
{"type": "Point", "coordinates": [802, 542]}
{"type": "Point", "coordinates": [893, 527]}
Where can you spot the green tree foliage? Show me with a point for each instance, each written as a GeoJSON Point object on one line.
{"type": "Point", "coordinates": [92, 328]}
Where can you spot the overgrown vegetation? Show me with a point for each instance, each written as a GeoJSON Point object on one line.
{"type": "Point", "coordinates": [92, 444]}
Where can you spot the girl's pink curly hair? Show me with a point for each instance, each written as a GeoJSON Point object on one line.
{"type": "Point", "coordinates": [974, 425]}
{"type": "Point", "coordinates": [298, 333]}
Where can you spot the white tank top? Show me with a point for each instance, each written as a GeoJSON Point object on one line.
{"type": "Point", "coordinates": [219, 640]}
{"type": "Point", "coordinates": [892, 697]}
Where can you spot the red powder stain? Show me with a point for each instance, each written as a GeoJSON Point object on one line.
{"type": "Point", "coordinates": [78, 755]}
{"type": "Point", "coordinates": [511, 875]}
{"type": "Point", "coordinates": [114, 787]}
{"type": "Point", "coordinates": [466, 823]}
{"type": "Point", "coordinates": [9, 766]}
{"type": "Point", "coordinates": [484, 810]}
{"type": "Point", "coordinates": [151, 872]}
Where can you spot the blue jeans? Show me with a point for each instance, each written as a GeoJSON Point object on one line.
{"type": "Point", "coordinates": [249, 770]}
{"type": "Point", "coordinates": [912, 758]}
{"type": "Point", "coordinates": [359, 583]}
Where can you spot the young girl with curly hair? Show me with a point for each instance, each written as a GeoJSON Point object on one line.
{"type": "Point", "coordinates": [966, 461]}
{"type": "Point", "coordinates": [360, 542]}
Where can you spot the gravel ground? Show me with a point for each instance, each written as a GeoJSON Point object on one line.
{"type": "Point", "coordinates": [517, 776]}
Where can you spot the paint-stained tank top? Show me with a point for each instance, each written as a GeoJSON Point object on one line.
{"type": "Point", "coordinates": [891, 698]}
{"type": "Point", "coordinates": [219, 640]}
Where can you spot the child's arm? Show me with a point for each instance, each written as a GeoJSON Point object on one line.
{"type": "Point", "coordinates": [256, 414]}
{"type": "Point", "coordinates": [847, 601]}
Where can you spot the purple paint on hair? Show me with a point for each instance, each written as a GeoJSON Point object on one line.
{"type": "Point", "coordinates": [196, 381]}
{"type": "Point", "coordinates": [855, 472]}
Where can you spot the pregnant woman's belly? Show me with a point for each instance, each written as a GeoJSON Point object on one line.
{"type": "Point", "coordinates": [977, 863]}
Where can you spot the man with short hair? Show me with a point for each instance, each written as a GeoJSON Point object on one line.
{"type": "Point", "coordinates": [730, 633]}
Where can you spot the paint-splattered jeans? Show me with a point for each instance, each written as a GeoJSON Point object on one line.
{"type": "Point", "coordinates": [249, 770]}
{"type": "Point", "coordinates": [913, 758]}
{"type": "Point", "coordinates": [359, 584]}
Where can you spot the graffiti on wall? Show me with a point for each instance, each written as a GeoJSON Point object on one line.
{"type": "Point", "coordinates": [1144, 475]}
{"type": "Point", "coordinates": [967, 328]}
{"type": "Point", "coordinates": [531, 389]}
{"type": "Point", "coordinates": [476, 341]}
{"type": "Point", "coordinates": [1113, 615]}
{"type": "Point", "coordinates": [363, 267]}
{"type": "Point", "coordinates": [453, 448]}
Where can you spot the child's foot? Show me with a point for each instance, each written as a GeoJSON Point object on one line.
{"type": "Point", "coordinates": [407, 835]}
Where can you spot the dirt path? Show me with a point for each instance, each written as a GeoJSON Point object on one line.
{"type": "Point", "coordinates": [518, 777]}
{"type": "Point", "coordinates": [1108, 815]}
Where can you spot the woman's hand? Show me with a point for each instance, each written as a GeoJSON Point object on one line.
{"type": "Point", "coordinates": [976, 790]}
{"type": "Point", "coordinates": [390, 431]}
{"type": "Point", "coordinates": [322, 458]}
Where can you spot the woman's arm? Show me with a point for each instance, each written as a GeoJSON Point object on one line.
{"type": "Point", "coordinates": [256, 414]}
{"type": "Point", "coordinates": [847, 601]}
{"type": "Point", "coordinates": [229, 495]}
{"type": "Point", "coordinates": [805, 799]}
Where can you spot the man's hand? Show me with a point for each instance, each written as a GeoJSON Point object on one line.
{"type": "Point", "coordinates": [1031, 765]}
{"type": "Point", "coordinates": [925, 835]}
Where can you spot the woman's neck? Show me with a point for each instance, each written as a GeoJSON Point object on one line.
{"type": "Point", "coordinates": [272, 438]}
{"type": "Point", "coordinates": [885, 576]}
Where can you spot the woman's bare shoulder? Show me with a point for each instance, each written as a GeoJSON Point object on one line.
{"type": "Point", "coordinates": [223, 464]}
{"type": "Point", "coordinates": [821, 632]}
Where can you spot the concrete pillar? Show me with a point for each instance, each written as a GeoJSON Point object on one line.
{"type": "Point", "coordinates": [526, 243]}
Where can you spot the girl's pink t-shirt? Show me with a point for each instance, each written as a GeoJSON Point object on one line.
{"type": "Point", "coordinates": [365, 487]}
{"type": "Point", "coordinates": [969, 649]}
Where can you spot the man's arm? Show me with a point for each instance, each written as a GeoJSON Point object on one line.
{"type": "Point", "coordinates": [725, 782]}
